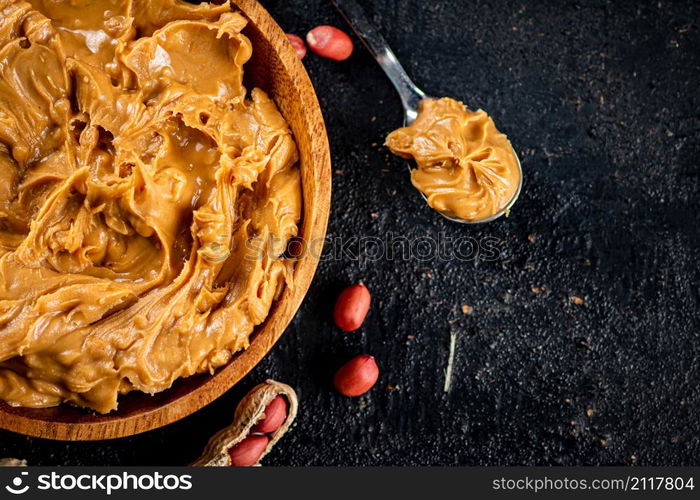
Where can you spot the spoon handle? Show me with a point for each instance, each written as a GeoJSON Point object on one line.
{"type": "Point", "coordinates": [410, 94]}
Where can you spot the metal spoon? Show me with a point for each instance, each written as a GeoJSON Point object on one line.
{"type": "Point", "coordinates": [410, 94]}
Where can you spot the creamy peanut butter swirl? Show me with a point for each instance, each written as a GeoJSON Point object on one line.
{"type": "Point", "coordinates": [134, 174]}
{"type": "Point", "coordinates": [466, 168]}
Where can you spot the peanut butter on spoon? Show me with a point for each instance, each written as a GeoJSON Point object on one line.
{"type": "Point", "coordinates": [466, 168]}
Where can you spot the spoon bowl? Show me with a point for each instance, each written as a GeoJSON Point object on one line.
{"type": "Point", "coordinates": [410, 114]}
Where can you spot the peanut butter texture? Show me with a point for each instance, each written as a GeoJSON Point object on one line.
{"type": "Point", "coordinates": [136, 178]}
{"type": "Point", "coordinates": [466, 168]}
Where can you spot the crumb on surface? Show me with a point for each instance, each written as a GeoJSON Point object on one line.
{"type": "Point", "coordinates": [576, 300]}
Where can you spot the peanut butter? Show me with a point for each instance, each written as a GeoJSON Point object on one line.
{"type": "Point", "coordinates": [135, 173]}
{"type": "Point", "coordinates": [466, 168]}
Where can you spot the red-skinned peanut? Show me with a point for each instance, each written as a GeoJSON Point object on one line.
{"type": "Point", "coordinates": [351, 307]}
{"type": "Point", "coordinates": [248, 451]}
{"type": "Point", "coordinates": [275, 415]}
{"type": "Point", "coordinates": [330, 42]}
{"type": "Point", "coordinates": [298, 45]}
{"type": "Point", "coordinates": [357, 376]}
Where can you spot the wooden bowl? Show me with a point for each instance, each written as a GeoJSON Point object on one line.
{"type": "Point", "coordinates": [275, 68]}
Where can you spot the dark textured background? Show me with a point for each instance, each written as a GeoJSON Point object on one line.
{"type": "Point", "coordinates": [601, 101]}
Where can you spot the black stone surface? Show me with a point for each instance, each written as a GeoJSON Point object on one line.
{"type": "Point", "coordinates": [600, 99]}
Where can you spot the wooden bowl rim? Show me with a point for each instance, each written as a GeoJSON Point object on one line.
{"type": "Point", "coordinates": [111, 426]}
